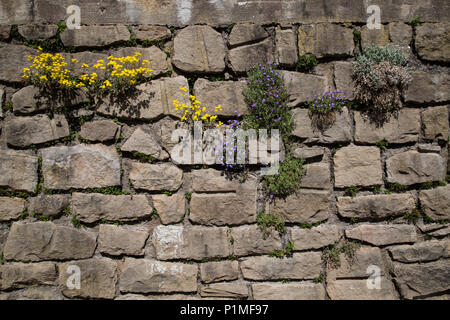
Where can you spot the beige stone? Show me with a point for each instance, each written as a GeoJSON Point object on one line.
{"type": "Point", "coordinates": [383, 234]}
{"type": "Point", "coordinates": [95, 36]}
{"type": "Point", "coordinates": [286, 47]}
{"type": "Point", "coordinates": [48, 205]}
{"type": "Point", "coordinates": [37, 31]}
{"type": "Point", "coordinates": [19, 170]}
{"type": "Point", "coordinates": [171, 209]}
{"type": "Point", "coordinates": [427, 87]}
{"type": "Point", "coordinates": [432, 41]}
{"type": "Point", "coordinates": [317, 176]}
{"type": "Point", "coordinates": [244, 58]}
{"type": "Point", "coordinates": [250, 240]}
{"type": "Point", "coordinates": [357, 289]}
{"type": "Point", "coordinates": [314, 238]}
{"type": "Point", "coordinates": [20, 275]}
{"type": "Point", "coordinates": [11, 208]}
{"type": "Point", "coordinates": [144, 141]}
{"type": "Point", "coordinates": [436, 202]}
{"type": "Point", "coordinates": [100, 130]}
{"type": "Point", "coordinates": [13, 58]}
{"type": "Point", "coordinates": [118, 241]}
{"type": "Point", "coordinates": [152, 33]}
{"type": "Point", "coordinates": [303, 86]}
{"type": "Point", "coordinates": [225, 289]}
{"type": "Point", "coordinates": [435, 123]}
{"type": "Point", "coordinates": [288, 291]}
{"type": "Point", "coordinates": [246, 32]}
{"type": "Point", "coordinates": [421, 251]}
{"type": "Point", "coordinates": [156, 177]}
{"type": "Point", "coordinates": [216, 271]}
{"type": "Point", "coordinates": [378, 37]}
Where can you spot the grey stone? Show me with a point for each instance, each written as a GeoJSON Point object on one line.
{"type": "Point", "coordinates": [286, 47]}
{"type": "Point", "coordinates": [21, 275]}
{"type": "Point", "coordinates": [143, 141]}
{"type": "Point", "coordinates": [288, 291]}
{"type": "Point", "coordinates": [250, 240]}
{"type": "Point", "coordinates": [156, 177]}
{"type": "Point", "coordinates": [152, 33]}
{"type": "Point", "coordinates": [378, 37]}
{"type": "Point", "coordinates": [383, 234]}
{"type": "Point", "coordinates": [428, 148]}
{"type": "Point", "coordinates": [33, 293]}
{"type": "Point", "coordinates": [356, 266]}
{"type": "Point", "coordinates": [422, 251]}
{"type": "Point", "coordinates": [309, 153]}
{"type": "Point", "coordinates": [432, 41]}
{"type": "Point", "coordinates": [95, 36]}
{"type": "Point", "coordinates": [317, 176]}
{"type": "Point", "coordinates": [171, 209]}
{"type": "Point", "coordinates": [244, 58]}
{"type": "Point", "coordinates": [11, 208]}
{"type": "Point", "coordinates": [400, 33]}
{"type": "Point", "coordinates": [19, 170]}
{"type": "Point", "coordinates": [13, 58]}
{"type": "Point", "coordinates": [16, 12]}
{"type": "Point", "coordinates": [435, 123]}
{"type": "Point", "coordinates": [246, 32]}
{"type": "Point", "coordinates": [427, 87]}
{"type": "Point", "coordinates": [5, 32]}
{"type": "Point", "coordinates": [357, 289]}
{"type": "Point", "coordinates": [38, 31]}
{"type": "Point", "coordinates": [436, 202]}
{"type": "Point", "coordinates": [225, 289]}
{"type": "Point", "coordinates": [343, 77]}
{"type": "Point", "coordinates": [216, 271]}
{"type": "Point", "coordinates": [100, 130]}
{"type": "Point", "coordinates": [92, 207]}
{"type": "Point", "coordinates": [48, 205]}
{"type": "Point", "coordinates": [302, 86]}
{"type": "Point", "coordinates": [314, 238]}
{"type": "Point", "coordinates": [116, 241]}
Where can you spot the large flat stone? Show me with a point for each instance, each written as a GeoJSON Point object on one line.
{"type": "Point", "coordinates": [421, 251]}
{"type": "Point", "coordinates": [317, 176]}
{"type": "Point", "coordinates": [21, 275]}
{"type": "Point", "coordinates": [13, 58]}
{"type": "Point", "coordinates": [144, 141]}
{"type": "Point", "coordinates": [171, 209]}
{"type": "Point", "coordinates": [216, 271]}
{"type": "Point", "coordinates": [435, 123]}
{"type": "Point", "coordinates": [246, 57]}
{"type": "Point", "coordinates": [383, 234]}
{"type": "Point", "coordinates": [436, 202]}
{"type": "Point", "coordinates": [81, 166]}
{"type": "Point", "coordinates": [427, 87]}
{"type": "Point", "coordinates": [288, 291]}
{"type": "Point", "coordinates": [48, 205]}
{"type": "Point", "coordinates": [343, 77]}
{"type": "Point", "coordinates": [95, 36]}
{"type": "Point", "coordinates": [286, 47]}
{"type": "Point", "coordinates": [11, 208]}
{"type": "Point", "coordinates": [356, 266]}
{"type": "Point", "coordinates": [37, 31]}
{"type": "Point", "coordinates": [357, 289]}
{"type": "Point", "coordinates": [303, 86]}
{"type": "Point", "coordinates": [118, 241]}
{"type": "Point", "coordinates": [377, 37]}
{"type": "Point", "coordinates": [433, 41]}
{"type": "Point", "coordinates": [156, 177]}
{"type": "Point", "coordinates": [100, 130]}
{"type": "Point", "coordinates": [314, 238]}
{"type": "Point", "coordinates": [19, 170]}
{"type": "Point", "coordinates": [225, 289]}
{"type": "Point", "coordinates": [246, 32]}
{"type": "Point", "coordinates": [250, 240]}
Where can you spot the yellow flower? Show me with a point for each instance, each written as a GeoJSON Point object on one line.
{"type": "Point", "coordinates": [183, 89]}
{"type": "Point", "coordinates": [75, 61]}
{"type": "Point", "coordinates": [84, 65]}
{"type": "Point", "coordinates": [219, 124]}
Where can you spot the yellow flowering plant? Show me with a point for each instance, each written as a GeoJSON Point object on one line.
{"type": "Point", "coordinates": [195, 111]}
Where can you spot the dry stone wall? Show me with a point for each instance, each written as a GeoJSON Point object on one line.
{"type": "Point", "coordinates": [74, 194]}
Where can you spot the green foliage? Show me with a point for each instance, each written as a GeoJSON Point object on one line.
{"type": "Point", "coordinates": [288, 178]}
{"type": "Point", "coordinates": [356, 35]}
{"type": "Point", "coordinates": [332, 255]}
{"type": "Point", "coordinates": [230, 27]}
{"type": "Point", "coordinates": [376, 189]}
{"type": "Point", "coordinates": [115, 190]}
{"type": "Point", "coordinates": [188, 195]}
{"type": "Point", "coordinates": [167, 193]}
{"type": "Point", "coordinates": [309, 225]}
{"type": "Point", "coordinates": [268, 222]}
{"type": "Point", "coordinates": [383, 144]}
{"type": "Point", "coordinates": [395, 187]}
{"type": "Point", "coordinates": [287, 252]}
{"type": "Point", "coordinates": [351, 191]}
{"type": "Point", "coordinates": [319, 279]}
{"type": "Point", "coordinates": [106, 221]}
{"type": "Point", "coordinates": [76, 223]}
{"type": "Point", "coordinates": [306, 63]}
{"type": "Point", "coordinates": [413, 216]}
{"type": "Point", "coordinates": [154, 213]}
{"type": "Point", "coordinates": [24, 214]}
{"type": "Point", "coordinates": [41, 217]}
{"type": "Point", "coordinates": [4, 192]}
{"type": "Point", "coordinates": [415, 22]}
{"type": "Point", "coordinates": [67, 210]}
{"type": "Point", "coordinates": [8, 106]}
{"type": "Point", "coordinates": [143, 157]}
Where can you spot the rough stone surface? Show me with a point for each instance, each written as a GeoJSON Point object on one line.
{"type": "Point", "coordinates": [145, 276]}
{"type": "Point", "coordinates": [95, 36]}
{"type": "Point", "coordinates": [13, 58]}
{"type": "Point", "coordinates": [46, 241]}
{"type": "Point", "coordinates": [339, 131]}
{"type": "Point", "coordinates": [412, 167]}
{"type": "Point", "coordinates": [317, 176]}
{"type": "Point", "coordinates": [48, 205]}
{"type": "Point", "coordinates": [378, 37]}
{"type": "Point", "coordinates": [302, 86]}
{"type": "Point", "coordinates": [117, 241]}
{"type": "Point", "coordinates": [428, 87]}
{"type": "Point", "coordinates": [402, 129]}
{"type": "Point", "coordinates": [314, 238]}
{"type": "Point", "coordinates": [152, 33]}
{"type": "Point", "coordinates": [228, 94]}
{"type": "Point", "coordinates": [100, 130]}
{"type": "Point", "coordinates": [421, 252]}
{"type": "Point", "coordinates": [246, 32]}
{"type": "Point", "coordinates": [357, 289]}
{"type": "Point", "coordinates": [309, 153]}
{"type": "Point", "coordinates": [37, 31]}
{"type": "Point", "coordinates": [144, 141]}
{"type": "Point", "coordinates": [299, 267]}
{"type": "Point", "coordinates": [19, 170]}
{"type": "Point", "coordinates": [288, 291]}
{"type": "Point", "coordinates": [357, 166]}
{"type": "Point", "coordinates": [156, 177]}
{"type": "Point", "coordinates": [11, 208]}
{"type": "Point", "coordinates": [400, 33]}
{"type": "Point", "coordinates": [98, 278]}
{"type": "Point", "coordinates": [415, 280]}
{"type": "Point", "coordinates": [286, 47]}
{"type": "Point", "coordinates": [374, 207]}
{"type": "Point", "coordinates": [20, 275]}
{"type": "Point", "coordinates": [196, 242]}
{"type": "Point", "coordinates": [325, 40]}
{"type": "Point", "coordinates": [435, 123]}
{"type": "Point", "coordinates": [245, 57]}
{"type": "Point", "coordinates": [225, 289]}
{"type": "Point", "coordinates": [5, 32]}
{"type": "Point", "coordinates": [356, 266]}
{"type": "Point", "coordinates": [25, 131]}
{"type": "Point", "coordinates": [33, 293]}
{"type": "Point", "coordinates": [81, 166]}
{"type": "Point", "coordinates": [343, 77]}
{"type": "Point", "coordinates": [92, 207]}
{"type": "Point", "coordinates": [250, 240]}
{"type": "Point", "coordinates": [199, 49]}
{"type": "Point", "coordinates": [216, 271]}
{"type": "Point", "coordinates": [304, 207]}
{"type": "Point", "coordinates": [433, 41]}
{"type": "Point", "coordinates": [171, 209]}
{"type": "Point", "coordinates": [381, 235]}
{"type": "Point", "coordinates": [436, 202]}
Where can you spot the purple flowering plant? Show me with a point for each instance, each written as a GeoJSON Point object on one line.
{"type": "Point", "coordinates": [326, 102]}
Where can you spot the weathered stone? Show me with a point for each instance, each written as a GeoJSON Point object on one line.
{"type": "Point", "coordinates": [228, 94]}
{"type": "Point", "coordinates": [85, 57]}
{"type": "Point", "coordinates": [118, 241]}
{"type": "Point", "coordinates": [2, 101]}
{"type": "Point", "coordinates": [199, 49]}
{"type": "Point", "coordinates": [356, 266]}
{"type": "Point", "coordinates": [245, 57]}
{"type": "Point", "coordinates": [428, 148]}
{"type": "Point", "coordinates": [143, 141]}
{"type": "Point", "coordinates": [422, 251]}
{"type": "Point", "coordinates": [427, 87]}
{"type": "Point", "coordinates": [382, 235]}
{"type": "Point", "coordinates": [225, 289]}
{"type": "Point", "coordinates": [415, 280]}
{"type": "Point", "coordinates": [317, 176]}
{"type": "Point", "coordinates": [400, 33]}
{"type": "Point", "coordinates": [250, 240]}
{"type": "Point", "coordinates": [402, 129]}
{"type": "Point", "coordinates": [441, 232]}
{"type": "Point", "coordinates": [288, 291]}
{"type": "Point", "coordinates": [304, 207]}
{"type": "Point", "coordinates": [92, 207]}
{"type": "Point", "coordinates": [435, 123]}
{"type": "Point", "coordinates": [376, 207]}
{"type": "Point", "coordinates": [80, 166]}
{"type": "Point", "coordinates": [19, 170]}
{"type": "Point", "coordinates": [48, 205]}
{"type": "Point", "coordinates": [164, 129]}
{"type": "Point", "coordinates": [171, 209]}
{"type": "Point", "coordinates": [25, 131]}
{"type": "Point", "coordinates": [378, 37]}
{"type": "Point", "coordinates": [433, 41]}
{"type": "Point", "coordinates": [145, 276]}
{"type": "Point", "coordinates": [302, 86]}
{"type": "Point", "coordinates": [357, 289]}
{"type": "Point", "coordinates": [156, 57]}
{"type": "Point", "coordinates": [11, 208]}
{"type": "Point", "coordinates": [357, 166]}
{"type": "Point", "coordinates": [98, 278]}
{"type": "Point", "coordinates": [38, 31]}
{"type": "Point", "coordinates": [156, 177]}
{"type": "Point", "coordinates": [33, 293]}
{"type": "Point", "coordinates": [47, 241]}
{"type": "Point", "coordinates": [343, 77]}
{"type": "Point", "coordinates": [325, 40]}
{"type": "Point", "coordinates": [100, 130]}
{"type": "Point", "coordinates": [300, 266]}
{"type": "Point", "coordinates": [219, 271]}
{"type": "Point", "coordinates": [21, 275]}
{"type": "Point", "coordinates": [309, 153]}
{"type": "Point", "coordinates": [152, 33]}
{"type": "Point", "coordinates": [286, 47]}
{"type": "Point", "coordinates": [196, 242]}
{"type": "Point", "coordinates": [314, 238]}
{"type": "Point", "coordinates": [246, 32]}
{"type": "Point", "coordinates": [13, 58]}
{"type": "Point", "coordinates": [436, 202]}
{"type": "Point", "coordinates": [5, 32]}
{"type": "Point", "coordinates": [412, 167]}
{"type": "Point", "coordinates": [95, 36]}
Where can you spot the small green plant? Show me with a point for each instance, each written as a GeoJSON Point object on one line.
{"type": "Point", "coordinates": [383, 144]}
{"type": "Point", "coordinates": [285, 281]}
{"type": "Point", "coordinates": [351, 191]}
{"type": "Point", "coordinates": [309, 225]}
{"type": "Point", "coordinates": [268, 222]}
{"type": "Point", "coordinates": [288, 179]}
{"type": "Point", "coordinates": [331, 255]}
{"type": "Point", "coordinates": [356, 35]}
{"type": "Point", "coordinates": [230, 27]}
{"type": "Point", "coordinates": [413, 216]}
{"type": "Point", "coordinates": [75, 222]}
{"type": "Point", "coordinates": [319, 279]}
{"type": "Point", "coordinates": [395, 187]}
{"type": "Point", "coordinates": [167, 193]}
{"type": "Point", "coordinates": [306, 63]}
{"type": "Point", "coordinates": [115, 190]}
{"type": "Point", "coordinates": [8, 106]}
{"type": "Point", "coordinates": [154, 213]}
{"type": "Point", "coordinates": [67, 211]}
{"type": "Point", "coordinates": [41, 217]}
{"type": "Point", "coordinates": [188, 195]}
{"type": "Point", "coordinates": [287, 252]}
{"type": "Point", "coordinates": [415, 22]}
{"type": "Point", "coordinates": [376, 189]}
{"type": "Point", "coordinates": [24, 214]}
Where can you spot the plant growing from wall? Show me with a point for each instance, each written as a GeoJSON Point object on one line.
{"type": "Point", "coordinates": [380, 77]}
{"type": "Point", "coordinates": [323, 108]}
